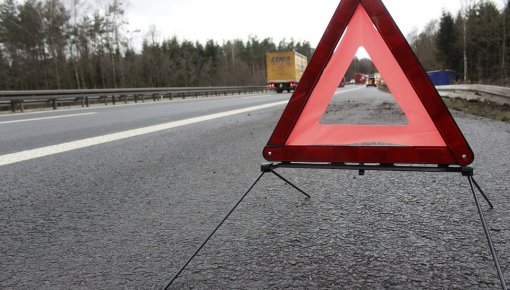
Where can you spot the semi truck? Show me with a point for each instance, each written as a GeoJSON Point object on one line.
{"type": "Point", "coordinates": [284, 70]}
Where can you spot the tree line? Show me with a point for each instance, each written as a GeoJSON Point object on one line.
{"type": "Point", "coordinates": [475, 43]}
{"type": "Point", "coordinates": [51, 44]}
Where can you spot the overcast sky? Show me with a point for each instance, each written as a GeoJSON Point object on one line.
{"type": "Point", "coordinates": [303, 20]}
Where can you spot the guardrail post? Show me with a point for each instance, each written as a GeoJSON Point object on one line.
{"type": "Point", "coordinates": [21, 107]}
{"type": "Point", "coordinates": [113, 99]}
{"type": "Point", "coordinates": [87, 102]}
{"type": "Point", "coordinates": [13, 106]}
{"type": "Point", "coordinates": [125, 99]}
{"type": "Point", "coordinates": [82, 100]}
{"type": "Point", "coordinates": [54, 103]}
{"type": "Point", "coordinates": [105, 100]}
{"type": "Point", "coordinates": [143, 98]}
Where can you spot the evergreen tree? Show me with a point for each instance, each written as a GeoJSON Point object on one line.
{"type": "Point", "coordinates": [484, 40]}
{"type": "Point", "coordinates": [448, 54]}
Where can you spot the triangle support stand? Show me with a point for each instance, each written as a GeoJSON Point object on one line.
{"type": "Point", "coordinates": [362, 168]}
{"type": "Point", "coordinates": [265, 169]}
{"type": "Point", "coordinates": [486, 230]}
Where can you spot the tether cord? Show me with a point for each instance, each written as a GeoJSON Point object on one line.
{"type": "Point", "coordinates": [213, 232]}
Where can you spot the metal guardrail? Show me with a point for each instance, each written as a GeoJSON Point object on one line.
{"type": "Point", "coordinates": [481, 93]}
{"type": "Point", "coordinates": [54, 98]}
{"type": "Point", "coordinates": [18, 99]}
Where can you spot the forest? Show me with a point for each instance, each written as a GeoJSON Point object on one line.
{"type": "Point", "coordinates": [474, 43]}
{"type": "Point", "coordinates": [52, 44]}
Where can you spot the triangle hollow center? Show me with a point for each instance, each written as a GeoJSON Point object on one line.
{"type": "Point", "coordinates": [418, 130]}
{"type": "Point", "coordinates": [363, 98]}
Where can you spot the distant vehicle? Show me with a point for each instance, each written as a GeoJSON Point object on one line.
{"type": "Point", "coordinates": [342, 83]}
{"type": "Point", "coordinates": [442, 77]}
{"type": "Point", "coordinates": [359, 78]}
{"type": "Point", "coordinates": [284, 70]}
{"type": "Point", "coordinates": [371, 82]}
{"type": "Point", "coordinates": [378, 79]}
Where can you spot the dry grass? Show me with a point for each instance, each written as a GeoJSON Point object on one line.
{"type": "Point", "coordinates": [484, 109]}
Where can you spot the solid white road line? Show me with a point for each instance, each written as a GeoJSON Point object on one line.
{"type": "Point", "coordinates": [348, 90]}
{"type": "Point", "coordinates": [46, 118]}
{"type": "Point", "coordinates": [78, 144]}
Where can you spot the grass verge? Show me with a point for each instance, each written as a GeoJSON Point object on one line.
{"type": "Point", "coordinates": [484, 109]}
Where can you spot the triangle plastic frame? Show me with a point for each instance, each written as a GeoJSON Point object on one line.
{"type": "Point", "coordinates": [455, 151]}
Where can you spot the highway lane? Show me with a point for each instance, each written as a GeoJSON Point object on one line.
{"type": "Point", "coordinates": [28, 131]}
{"type": "Point", "coordinates": [126, 214]}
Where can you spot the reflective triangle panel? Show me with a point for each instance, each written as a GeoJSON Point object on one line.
{"type": "Point", "coordinates": [431, 135]}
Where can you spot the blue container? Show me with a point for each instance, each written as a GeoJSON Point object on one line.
{"type": "Point", "coordinates": [442, 77]}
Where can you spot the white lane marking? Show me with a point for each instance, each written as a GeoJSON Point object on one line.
{"type": "Point", "coordinates": [349, 90]}
{"type": "Point", "coordinates": [78, 144]}
{"type": "Point", "coordinates": [46, 118]}
{"type": "Point", "coordinates": [257, 96]}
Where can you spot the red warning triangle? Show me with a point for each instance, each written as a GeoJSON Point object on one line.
{"type": "Point", "coordinates": [430, 136]}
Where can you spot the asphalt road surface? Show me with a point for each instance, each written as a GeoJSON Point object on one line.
{"type": "Point", "coordinates": [135, 189]}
